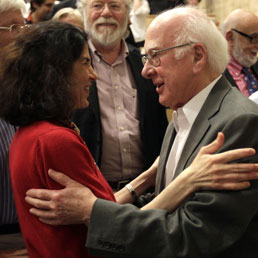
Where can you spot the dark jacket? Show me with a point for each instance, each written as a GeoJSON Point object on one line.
{"type": "Point", "coordinates": [152, 116]}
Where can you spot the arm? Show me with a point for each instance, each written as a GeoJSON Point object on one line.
{"type": "Point", "coordinates": [206, 172]}
{"type": "Point", "coordinates": [140, 184]}
{"type": "Point", "coordinates": [74, 203]}
{"type": "Point", "coordinates": [208, 223]}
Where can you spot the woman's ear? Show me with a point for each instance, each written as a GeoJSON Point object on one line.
{"type": "Point", "coordinates": [200, 57]}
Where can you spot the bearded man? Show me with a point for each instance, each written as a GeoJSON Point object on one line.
{"type": "Point", "coordinates": [124, 124]}
{"type": "Point", "coordinates": [240, 29]}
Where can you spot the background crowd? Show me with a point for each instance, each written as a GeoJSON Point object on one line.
{"type": "Point", "coordinates": [127, 107]}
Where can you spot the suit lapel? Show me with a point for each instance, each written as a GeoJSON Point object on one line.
{"type": "Point", "coordinates": [202, 122]}
{"type": "Point", "coordinates": [164, 153]}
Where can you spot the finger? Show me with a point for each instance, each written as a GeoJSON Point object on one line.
{"type": "Point", "coordinates": [237, 167]}
{"type": "Point", "coordinates": [236, 177]}
{"type": "Point", "coordinates": [61, 178]}
{"type": "Point", "coordinates": [232, 155]}
{"type": "Point", "coordinates": [214, 146]}
{"type": "Point", "coordinates": [43, 194]}
{"type": "Point", "coordinates": [43, 214]}
{"type": "Point", "coordinates": [40, 204]}
{"type": "Point", "coordinates": [231, 186]}
{"type": "Point", "coordinates": [51, 222]}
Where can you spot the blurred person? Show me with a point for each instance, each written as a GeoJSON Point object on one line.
{"type": "Point", "coordinates": [69, 15]}
{"type": "Point", "coordinates": [61, 5]}
{"type": "Point", "coordinates": [138, 18]}
{"type": "Point", "coordinates": [162, 5]}
{"type": "Point", "coordinates": [192, 2]}
{"type": "Point", "coordinates": [11, 22]}
{"type": "Point", "coordinates": [185, 57]}
{"type": "Point", "coordinates": [124, 112]}
{"type": "Point", "coordinates": [240, 29]}
{"type": "Point", "coordinates": [39, 9]}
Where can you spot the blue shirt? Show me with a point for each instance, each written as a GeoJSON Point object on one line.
{"type": "Point", "coordinates": [7, 207]}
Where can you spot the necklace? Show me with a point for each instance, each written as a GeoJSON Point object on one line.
{"type": "Point", "coordinates": [74, 127]}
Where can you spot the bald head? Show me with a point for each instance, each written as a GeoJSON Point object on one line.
{"type": "Point", "coordinates": [239, 28]}
{"type": "Point", "coordinates": [239, 19]}
{"type": "Point", "coordinates": [188, 24]}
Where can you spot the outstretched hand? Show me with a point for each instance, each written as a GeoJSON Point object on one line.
{"type": "Point", "coordinates": [213, 171]}
{"type": "Point", "coordinates": [71, 205]}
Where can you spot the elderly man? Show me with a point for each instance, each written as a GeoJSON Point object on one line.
{"type": "Point", "coordinates": [240, 29]}
{"type": "Point", "coordinates": [185, 58]}
{"type": "Point", "coordinates": [11, 22]}
{"type": "Point", "coordinates": [124, 124]}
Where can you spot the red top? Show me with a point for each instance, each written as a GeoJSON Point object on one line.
{"type": "Point", "coordinates": [35, 149]}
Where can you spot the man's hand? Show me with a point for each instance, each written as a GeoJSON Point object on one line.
{"type": "Point", "coordinates": [22, 253]}
{"type": "Point", "coordinates": [71, 205]}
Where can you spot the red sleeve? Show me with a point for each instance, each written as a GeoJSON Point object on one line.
{"type": "Point", "coordinates": [65, 151]}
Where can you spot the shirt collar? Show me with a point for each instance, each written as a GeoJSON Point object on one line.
{"type": "Point", "coordinates": [124, 51]}
{"type": "Point", "coordinates": [234, 66]}
{"type": "Point", "coordinates": [192, 108]}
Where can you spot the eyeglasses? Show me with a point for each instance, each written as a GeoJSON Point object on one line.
{"type": "Point", "coordinates": [253, 38]}
{"type": "Point", "coordinates": [15, 27]}
{"type": "Point", "coordinates": [114, 7]}
{"type": "Point", "coordinates": [153, 57]}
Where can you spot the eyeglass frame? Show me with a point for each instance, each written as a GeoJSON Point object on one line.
{"type": "Point", "coordinates": [250, 37]}
{"type": "Point", "coordinates": [10, 28]}
{"type": "Point", "coordinates": [145, 58]}
{"type": "Point", "coordinates": [108, 5]}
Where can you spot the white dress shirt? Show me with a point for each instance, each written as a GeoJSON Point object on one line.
{"type": "Point", "coordinates": [183, 119]}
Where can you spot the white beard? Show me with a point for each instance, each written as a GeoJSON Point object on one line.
{"type": "Point", "coordinates": [107, 36]}
{"type": "Point", "coordinates": [243, 59]}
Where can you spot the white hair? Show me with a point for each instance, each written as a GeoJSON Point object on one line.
{"type": "Point", "coordinates": [68, 11]}
{"type": "Point", "coordinates": [197, 27]}
{"type": "Point", "coordinates": [6, 5]}
{"type": "Point", "coordinates": [81, 4]}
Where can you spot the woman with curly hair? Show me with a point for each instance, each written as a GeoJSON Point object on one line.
{"type": "Point", "coordinates": [45, 74]}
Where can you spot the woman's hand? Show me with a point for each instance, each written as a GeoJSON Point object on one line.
{"type": "Point", "coordinates": [208, 171]}
{"type": "Point", "coordinates": [214, 172]}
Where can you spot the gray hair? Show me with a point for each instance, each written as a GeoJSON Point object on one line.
{"type": "Point", "coordinates": [81, 4]}
{"type": "Point", "coordinates": [198, 27]}
{"type": "Point", "coordinates": [6, 5]}
{"type": "Point", "coordinates": [68, 11]}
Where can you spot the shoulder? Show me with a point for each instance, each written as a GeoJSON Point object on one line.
{"type": "Point", "coordinates": [134, 51]}
{"type": "Point", "coordinates": [49, 134]}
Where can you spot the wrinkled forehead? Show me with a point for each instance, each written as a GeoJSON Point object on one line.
{"type": "Point", "coordinates": [10, 17]}
{"type": "Point", "coordinates": [160, 34]}
{"type": "Point", "coordinates": [106, 1]}
{"type": "Point", "coordinates": [249, 24]}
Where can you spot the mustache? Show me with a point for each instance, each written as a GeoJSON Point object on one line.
{"type": "Point", "coordinates": [109, 20]}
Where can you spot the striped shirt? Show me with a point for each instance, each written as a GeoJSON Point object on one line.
{"type": "Point", "coordinates": [7, 208]}
{"type": "Point", "coordinates": [235, 69]}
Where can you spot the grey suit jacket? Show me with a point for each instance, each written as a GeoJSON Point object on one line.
{"type": "Point", "coordinates": [222, 224]}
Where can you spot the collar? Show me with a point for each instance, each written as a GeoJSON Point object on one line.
{"type": "Point", "coordinates": [124, 50]}
{"type": "Point", "coordinates": [234, 67]}
{"type": "Point", "coordinates": [192, 108]}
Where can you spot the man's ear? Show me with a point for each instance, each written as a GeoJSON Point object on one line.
{"type": "Point", "coordinates": [199, 57]}
{"type": "Point", "coordinates": [230, 37]}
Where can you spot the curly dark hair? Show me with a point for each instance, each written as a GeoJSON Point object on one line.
{"type": "Point", "coordinates": [35, 73]}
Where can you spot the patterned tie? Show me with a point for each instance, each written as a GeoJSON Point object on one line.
{"type": "Point", "coordinates": [251, 81]}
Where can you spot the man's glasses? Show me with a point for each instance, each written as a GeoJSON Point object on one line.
{"type": "Point", "coordinates": [253, 38]}
{"type": "Point", "coordinates": [114, 7]}
{"type": "Point", "coordinates": [153, 55]}
{"type": "Point", "coordinates": [14, 27]}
